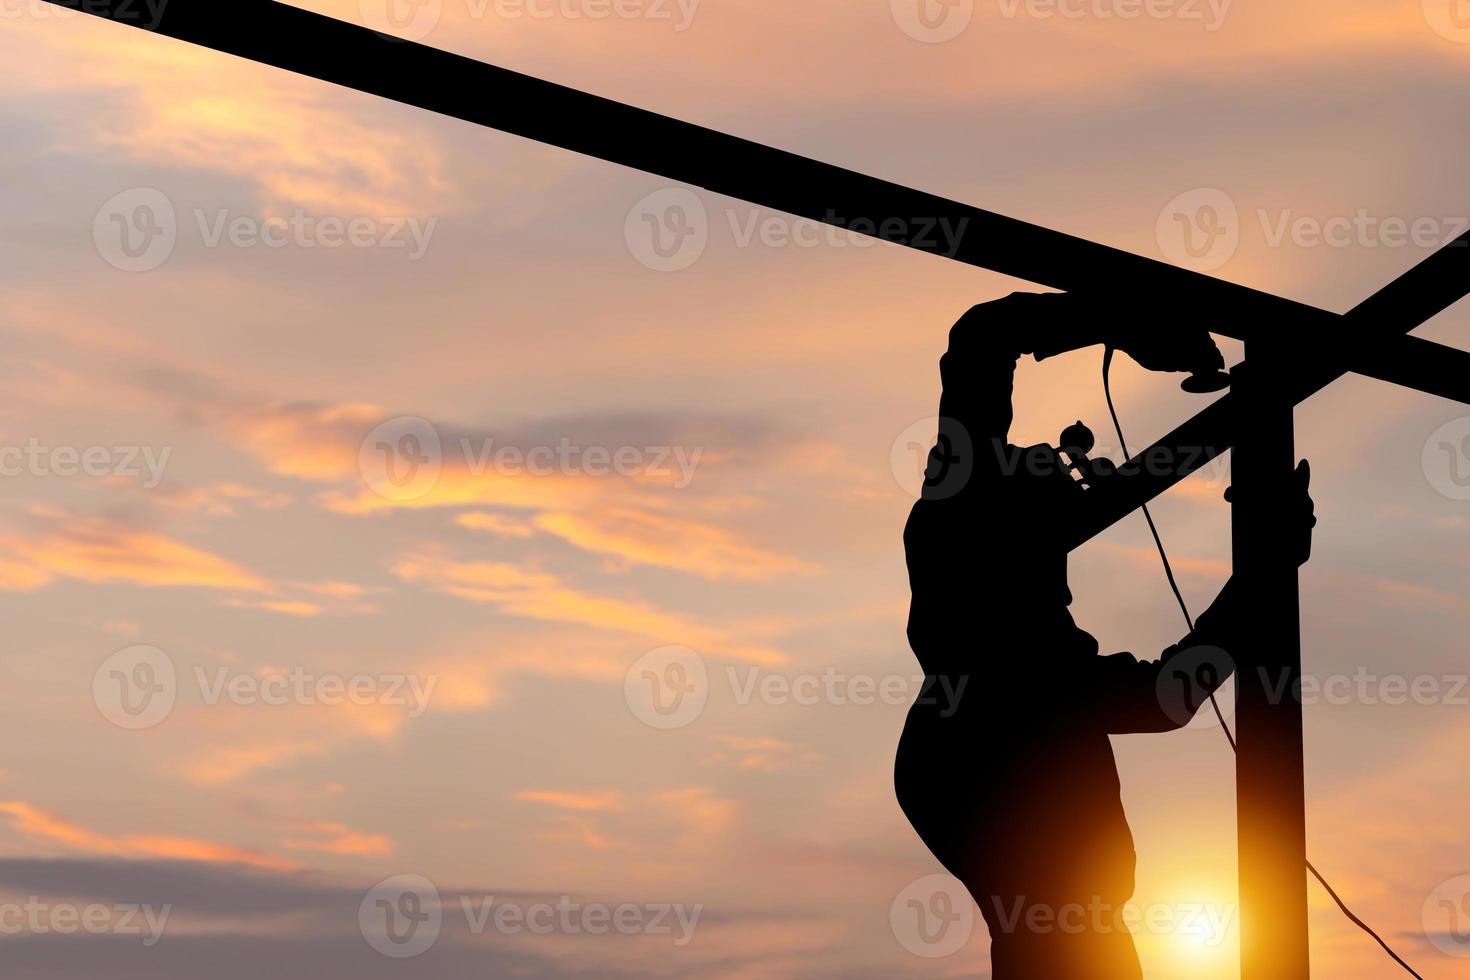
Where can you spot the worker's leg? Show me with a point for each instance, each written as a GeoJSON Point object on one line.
{"type": "Point", "coordinates": [1031, 941]}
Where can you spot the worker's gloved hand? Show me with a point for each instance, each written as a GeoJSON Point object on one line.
{"type": "Point", "coordinates": [1167, 346]}
{"type": "Point", "coordinates": [1300, 515]}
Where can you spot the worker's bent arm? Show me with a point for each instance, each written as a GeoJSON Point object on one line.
{"type": "Point", "coordinates": [1165, 694]}
{"type": "Point", "coordinates": [979, 368]}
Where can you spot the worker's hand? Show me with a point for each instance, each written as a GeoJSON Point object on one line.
{"type": "Point", "coordinates": [1168, 346]}
{"type": "Point", "coordinates": [1300, 517]}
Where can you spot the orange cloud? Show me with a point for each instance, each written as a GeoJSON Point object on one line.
{"type": "Point", "coordinates": [602, 515]}
{"type": "Point", "coordinates": [539, 595]}
{"type": "Point", "coordinates": [646, 538]}
{"type": "Point", "coordinates": [761, 754]}
{"type": "Point", "coordinates": [217, 499]}
{"type": "Point", "coordinates": [336, 838]}
{"type": "Point", "coordinates": [498, 524]}
{"type": "Point", "coordinates": [287, 607]}
{"type": "Point", "coordinates": [95, 549]}
{"type": "Point", "coordinates": [34, 822]}
{"type": "Point", "coordinates": [1211, 568]}
{"type": "Point", "coordinates": [572, 801]}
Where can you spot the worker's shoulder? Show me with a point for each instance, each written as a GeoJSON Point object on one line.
{"type": "Point", "coordinates": [986, 323]}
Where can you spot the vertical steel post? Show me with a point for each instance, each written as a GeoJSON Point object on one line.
{"type": "Point", "coordinates": [1270, 795]}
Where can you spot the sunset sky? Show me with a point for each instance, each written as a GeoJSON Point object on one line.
{"type": "Point", "coordinates": [730, 433]}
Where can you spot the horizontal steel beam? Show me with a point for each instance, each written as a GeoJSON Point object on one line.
{"type": "Point", "coordinates": [359, 58]}
{"type": "Point", "coordinates": [1369, 340]}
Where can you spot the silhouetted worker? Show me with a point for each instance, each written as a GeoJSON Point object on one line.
{"type": "Point", "coordinates": [1015, 789]}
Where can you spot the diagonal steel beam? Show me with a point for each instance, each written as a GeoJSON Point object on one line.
{"type": "Point", "coordinates": [1429, 288]}
{"type": "Point", "coordinates": [356, 57]}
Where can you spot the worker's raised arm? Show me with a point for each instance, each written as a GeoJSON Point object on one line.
{"type": "Point", "coordinates": [978, 372]}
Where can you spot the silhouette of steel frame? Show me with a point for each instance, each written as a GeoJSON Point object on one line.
{"type": "Point", "coordinates": [1292, 350]}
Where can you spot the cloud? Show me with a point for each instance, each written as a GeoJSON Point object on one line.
{"type": "Point", "coordinates": [335, 838]}
{"type": "Point", "coordinates": [227, 744]}
{"type": "Point", "coordinates": [502, 525]}
{"type": "Point", "coordinates": [97, 549]}
{"type": "Point", "coordinates": [217, 499]}
{"type": "Point", "coordinates": [572, 801]}
{"type": "Point", "coordinates": [297, 144]}
{"type": "Point", "coordinates": [617, 516]}
{"type": "Point", "coordinates": [1214, 569]}
{"type": "Point", "coordinates": [683, 820]}
{"type": "Point", "coordinates": [647, 538]}
{"type": "Point", "coordinates": [288, 607]}
{"type": "Point", "coordinates": [761, 754]}
{"type": "Point", "coordinates": [40, 825]}
{"type": "Point", "coordinates": [543, 596]}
